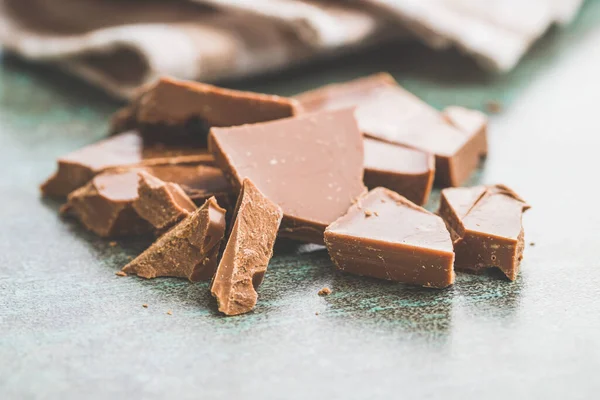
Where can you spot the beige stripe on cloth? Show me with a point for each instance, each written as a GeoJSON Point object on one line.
{"type": "Point", "coordinates": [121, 45]}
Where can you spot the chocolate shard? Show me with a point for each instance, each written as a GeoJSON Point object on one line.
{"type": "Point", "coordinates": [248, 251]}
{"type": "Point", "coordinates": [106, 204]}
{"type": "Point", "coordinates": [162, 204]}
{"type": "Point", "coordinates": [406, 171]}
{"type": "Point", "coordinates": [175, 109]}
{"type": "Point", "coordinates": [189, 250]}
{"type": "Point", "coordinates": [386, 236]}
{"type": "Point", "coordinates": [311, 166]}
{"type": "Point", "coordinates": [485, 223]}
{"type": "Point", "coordinates": [385, 111]}
{"type": "Point", "coordinates": [124, 150]}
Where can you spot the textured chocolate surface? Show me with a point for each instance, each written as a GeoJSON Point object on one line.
{"type": "Point", "coordinates": [189, 250]}
{"type": "Point", "coordinates": [408, 172]}
{"type": "Point", "coordinates": [311, 166]}
{"type": "Point", "coordinates": [124, 150]}
{"type": "Point", "coordinates": [248, 251]}
{"type": "Point", "coordinates": [485, 222]}
{"type": "Point", "coordinates": [388, 237]}
{"type": "Point", "coordinates": [162, 204]}
{"type": "Point", "coordinates": [388, 112]}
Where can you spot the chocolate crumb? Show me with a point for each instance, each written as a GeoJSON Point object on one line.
{"type": "Point", "coordinates": [317, 313]}
{"type": "Point", "coordinates": [368, 213]}
{"type": "Point", "coordinates": [145, 305]}
{"type": "Point", "coordinates": [532, 244]}
{"type": "Point", "coordinates": [376, 213]}
{"type": "Point", "coordinates": [493, 106]}
{"type": "Point", "coordinates": [169, 312]}
{"type": "Point", "coordinates": [324, 292]}
{"type": "Point", "coordinates": [112, 244]}
{"type": "Point", "coordinates": [120, 273]}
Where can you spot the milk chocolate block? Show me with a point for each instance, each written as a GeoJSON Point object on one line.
{"type": "Point", "coordinates": [406, 171]}
{"type": "Point", "coordinates": [105, 204]}
{"type": "Point", "coordinates": [311, 166]}
{"type": "Point", "coordinates": [124, 150]}
{"type": "Point", "coordinates": [189, 250]}
{"type": "Point", "coordinates": [471, 122]}
{"type": "Point", "coordinates": [162, 204]}
{"type": "Point", "coordinates": [248, 251]}
{"type": "Point", "coordinates": [485, 223]}
{"type": "Point", "coordinates": [387, 112]}
{"type": "Point", "coordinates": [386, 236]}
{"type": "Point", "coordinates": [183, 109]}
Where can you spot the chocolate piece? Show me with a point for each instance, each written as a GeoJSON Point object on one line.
{"type": "Point", "coordinates": [175, 110]}
{"type": "Point", "coordinates": [311, 166]}
{"type": "Point", "coordinates": [105, 204]}
{"type": "Point", "coordinates": [485, 223]}
{"type": "Point", "coordinates": [471, 122]}
{"type": "Point", "coordinates": [248, 251]}
{"type": "Point", "coordinates": [189, 250]}
{"type": "Point", "coordinates": [162, 204]}
{"type": "Point", "coordinates": [397, 240]}
{"type": "Point", "coordinates": [406, 171]}
{"type": "Point", "coordinates": [387, 112]}
{"type": "Point", "coordinates": [127, 149]}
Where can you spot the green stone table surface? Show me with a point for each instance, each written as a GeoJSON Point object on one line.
{"type": "Point", "coordinates": [71, 329]}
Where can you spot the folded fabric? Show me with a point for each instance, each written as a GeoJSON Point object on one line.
{"type": "Point", "coordinates": [121, 45]}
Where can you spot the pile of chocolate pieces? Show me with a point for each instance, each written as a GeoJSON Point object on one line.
{"type": "Point", "coordinates": [198, 165]}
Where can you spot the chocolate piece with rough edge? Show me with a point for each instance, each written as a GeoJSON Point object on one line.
{"type": "Point", "coordinates": [177, 110]}
{"type": "Point", "coordinates": [108, 198]}
{"type": "Point", "coordinates": [386, 236]}
{"type": "Point", "coordinates": [387, 112]}
{"type": "Point", "coordinates": [162, 204]}
{"type": "Point", "coordinates": [311, 166]}
{"type": "Point", "coordinates": [486, 226]}
{"type": "Point", "coordinates": [406, 171]}
{"type": "Point", "coordinates": [124, 150]}
{"type": "Point", "coordinates": [248, 251]}
{"type": "Point", "coordinates": [472, 122]}
{"type": "Point", "coordinates": [104, 205]}
{"type": "Point", "coordinates": [189, 250]}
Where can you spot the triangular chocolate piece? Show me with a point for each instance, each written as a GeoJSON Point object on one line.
{"type": "Point", "coordinates": [485, 222]}
{"type": "Point", "coordinates": [386, 236]}
{"type": "Point", "coordinates": [248, 251]}
{"type": "Point", "coordinates": [311, 166]}
{"type": "Point", "coordinates": [189, 250]}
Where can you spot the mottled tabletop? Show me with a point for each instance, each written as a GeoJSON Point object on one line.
{"type": "Point", "coordinates": [71, 329]}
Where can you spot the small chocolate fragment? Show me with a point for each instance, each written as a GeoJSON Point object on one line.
{"type": "Point", "coordinates": [189, 250]}
{"type": "Point", "coordinates": [248, 251]}
{"type": "Point", "coordinates": [406, 171]}
{"type": "Point", "coordinates": [324, 292]}
{"type": "Point", "coordinates": [406, 243]}
{"type": "Point", "coordinates": [385, 111]}
{"type": "Point", "coordinates": [105, 204]}
{"type": "Point", "coordinates": [125, 150]}
{"type": "Point", "coordinates": [175, 110]}
{"type": "Point", "coordinates": [485, 223]}
{"type": "Point", "coordinates": [163, 204]}
{"type": "Point", "coordinates": [311, 166]}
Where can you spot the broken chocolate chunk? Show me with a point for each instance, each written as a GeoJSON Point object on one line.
{"type": "Point", "coordinates": [400, 241]}
{"type": "Point", "coordinates": [387, 112]}
{"type": "Point", "coordinates": [162, 204]}
{"type": "Point", "coordinates": [248, 251]}
{"type": "Point", "coordinates": [406, 171]}
{"type": "Point", "coordinates": [124, 150]}
{"type": "Point", "coordinates": [485, 223]}
{"type": "Point", "coordinates": [311, 166]}
{"type": "Point", "coordinates": [105, 204]}
{"type": "Point", "coordinates": [189, 250]}
{"type": "Point", "coordinates": [471, 122]}
{"type": "Point", "coordinates": [173, 110]}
